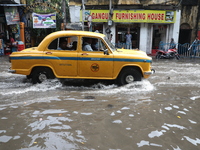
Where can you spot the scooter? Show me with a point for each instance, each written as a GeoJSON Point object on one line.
{"type": "Point", "coordinates": [169, 54]}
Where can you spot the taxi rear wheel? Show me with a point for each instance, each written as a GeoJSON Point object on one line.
{"type": "Point", "coordinates": [129, 75]}
{"type": "Point", "coordinates": [28, 76]}
{"type": "Point", "coordinates": [41, 74]}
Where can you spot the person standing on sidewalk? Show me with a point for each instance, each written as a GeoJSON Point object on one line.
{"type": "Point", "coordinates": [172, 44]}
{"type": "Point", "coordinates": [128, 40]}
{"type": "Point", "coordinates": [194, 47]}
{"type": "Point", "coordinates": [1, 44]}
{"type": "Point", "coordinates": [13, 44]}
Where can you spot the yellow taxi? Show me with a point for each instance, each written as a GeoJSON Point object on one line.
{"type": "Point", "coordinates": [80, 55]}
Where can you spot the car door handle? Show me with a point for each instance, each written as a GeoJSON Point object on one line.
{"type": "Point", "coordinates": [84, 54]}
{"type": "Point", "coordinates": [48, 53]}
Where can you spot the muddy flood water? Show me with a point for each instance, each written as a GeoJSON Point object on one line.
{"type": "Point", "coordinates": [162, 112]}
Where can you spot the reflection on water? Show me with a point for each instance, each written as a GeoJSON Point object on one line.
{"type": "Point", "coordinates": [161, 112]}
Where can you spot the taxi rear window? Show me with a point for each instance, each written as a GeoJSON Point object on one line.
{"type": "Point", "coordinates": [64, 43]}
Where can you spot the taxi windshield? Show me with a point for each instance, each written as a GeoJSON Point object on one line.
{"type": "Point", "coordinates": [109, 44]}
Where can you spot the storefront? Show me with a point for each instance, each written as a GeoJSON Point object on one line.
{"type": "Point", "coordinates": [121, 31]}
{"type": "Point", "coordinates": [9, 26]}
{"type": "Point", "coordinates": [147, 27]}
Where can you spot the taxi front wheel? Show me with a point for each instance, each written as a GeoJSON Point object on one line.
{"type": "Point", "coordinates": [41, 74]}
{"type": "Point", "coordinates": [129, 75]}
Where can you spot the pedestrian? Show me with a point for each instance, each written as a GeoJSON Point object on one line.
{"type": "Point", "coordinates": [128, 40]}
{"type": "Point", "coordinates": [172, 44]}
{"type": "Point", "coordinates": [194, 47]}
{"type": "Point", "coordinates": [13, 44]}
{"type": "Point", "coordinates": [1, 44]}
{"type": "Point", "coordinates": [110, 38]}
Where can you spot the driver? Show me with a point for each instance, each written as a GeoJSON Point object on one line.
{"type": "Point", "coordinates": [63, 45]}
{"type": "Point", "coordinates": [87, 44]}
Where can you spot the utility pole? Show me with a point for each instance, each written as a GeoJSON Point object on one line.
{"type": "Point", "coordinates": [83, 14]}
{"type": "Point", "coordinates": [64, 13]}
{"type": "Point", "coordinates": [110, 8]}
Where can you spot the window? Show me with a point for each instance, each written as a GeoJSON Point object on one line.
{"type": "Point", "coordinates": [64, 43]}
{"type": "Point", "coordinates": [53, 44]}
{"type": "Point", "coordinates": [92, 44]}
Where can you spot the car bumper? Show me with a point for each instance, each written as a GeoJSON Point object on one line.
{"type": "Point", "coordinates": [11, 71]}
{"type": "Point", "coordinates": [150, 72]}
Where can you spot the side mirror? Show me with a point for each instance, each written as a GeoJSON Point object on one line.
{"type": "Point", "coordinates": [106, 52]}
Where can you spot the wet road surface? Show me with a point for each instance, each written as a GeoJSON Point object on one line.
{"type": "Point", "coordinates": [160, 113]}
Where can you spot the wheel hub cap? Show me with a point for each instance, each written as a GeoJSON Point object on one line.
{"type": "Point", "coordinates": [129, 79]}
{"type": "Point", "coordinates": [42, 77]}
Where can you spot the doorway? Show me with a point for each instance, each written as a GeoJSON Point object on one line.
{"type": "Point", "coordinates": [185, 33]}
{"type": "Point", "coordinates": [121, 31]}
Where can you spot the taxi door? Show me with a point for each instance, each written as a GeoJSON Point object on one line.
{"type": "Point", "coordinates": [64, 62]}
{"type": "Point", "coordinates": [95, 63]}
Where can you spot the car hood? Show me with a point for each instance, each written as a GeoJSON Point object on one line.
{"type": "Point", "coordinates": [29, 49]}
{"type": "Point", "coordinates": [132, 52]}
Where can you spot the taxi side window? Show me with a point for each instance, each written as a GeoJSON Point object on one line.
{"type": "Point", "coordinates": [53, 44]}
{"type": "Point", "coordinates": [102, 46]}
{"type": "Point", "coordinates": [64, 43]}
{"type": "Point", "coordinates": [87, 44]}
{"type": "Point", "coordinates": [92, 44]}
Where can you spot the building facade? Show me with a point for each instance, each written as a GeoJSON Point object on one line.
{"type": "Point", "coordinates": [9, 23]}
{"type": "Point", "coordinates": [189, 24]}
{"type": "Point", "coordinates": [149, 21]}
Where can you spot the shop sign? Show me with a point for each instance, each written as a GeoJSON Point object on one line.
{"type": "Point", "coordinates": [45, 5]}
{"type": "Point", "coordinates": [146, 16]}
{"type": "Point", "coordinates": [12, 15]}
{"type": "Point", "coordinates": [44, 20]}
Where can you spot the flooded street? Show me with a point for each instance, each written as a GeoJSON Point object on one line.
{"type": "Point", "coordinates": [162, 112]}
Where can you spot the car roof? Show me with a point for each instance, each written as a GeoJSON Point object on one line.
{"type": "Point", "coordinates": [63, 33]}
{"type": "Point", "coordinates": [77, 33]}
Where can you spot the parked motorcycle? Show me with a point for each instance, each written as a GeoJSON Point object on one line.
{"type": "Point", "coordinates": [169, 54]}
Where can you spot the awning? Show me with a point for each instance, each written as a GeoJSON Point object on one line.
{"type": "Point", "coordinates": [12, 4]}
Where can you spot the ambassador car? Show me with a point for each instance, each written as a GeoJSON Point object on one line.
{"type": "Point", "coordinates": [85, 55]}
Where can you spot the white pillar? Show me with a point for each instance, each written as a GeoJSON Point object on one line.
{"type": "Point", "coordinates": [170, 31]}
{"type": "Point", "coordinates": [143, 36]}
{"type": "Point", "coordinates": [150, 38]}
{"type": "Point", "coordinates": [176, 27]}
{"type": "Point", "coordinates": [173, 29]}
{"type": "Point", "coordinates": [146, 31]}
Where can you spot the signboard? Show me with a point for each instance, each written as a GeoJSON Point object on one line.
{"type": "Point", "coordinates": [44, 20]}
{"type": "Point", "coordinates": [33, 6]}
{"type": "Point", "coordinates": [12, 15]}
{"type": "Point", "coordinates": [140, 16]}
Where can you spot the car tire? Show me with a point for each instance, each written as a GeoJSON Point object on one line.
{"type": "Point", "coordinates": [28, 77]}
{"type": "Point", "coordinates": [129, 75]}
{"type": "Point", "coordinates": [41, 74]}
